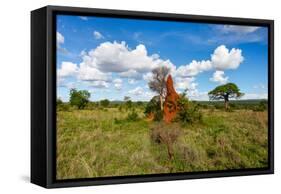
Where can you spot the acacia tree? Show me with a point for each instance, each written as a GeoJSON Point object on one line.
{"type": "Point", "coordinates": [225, 92]}
{"type": "Point", "coordinates": [158, 82]}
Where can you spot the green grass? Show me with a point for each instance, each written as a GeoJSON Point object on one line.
{"type": "Point", "coordinates": [98, 143]}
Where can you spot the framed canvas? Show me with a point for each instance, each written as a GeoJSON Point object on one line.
{"type": "Point", "coordinates": [125, 96]}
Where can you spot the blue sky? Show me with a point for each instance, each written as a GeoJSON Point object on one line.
{"type": "Point", "coordinates": [113, 58]}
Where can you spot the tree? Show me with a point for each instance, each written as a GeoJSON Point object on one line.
{"type": "Point", "coordinates": [158, 82]}
{"type": "Point", "coordinates": [105, 103]}
{"type": "Point", "coordinates": [126, 98]}
{"type": "Point", "coordinates": [79, 98]}
{"type": "Point", "coordinates": [225, 92]}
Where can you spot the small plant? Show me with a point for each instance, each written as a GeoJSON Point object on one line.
{"type": "Point", "coordinates": [133, 116]}
{"type": "Point", "coordinates": [166, 134]}
{"type": "Point", "coordinates": [189, 112]}
{"type": "Point", "coordinates": [152, 107]}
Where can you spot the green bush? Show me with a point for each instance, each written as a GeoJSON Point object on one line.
{"type": "Point", "coordinates": [153, 106]}
{"type": "Point", "coordinates": [261, 107]}
{"type": "Point", "coordinates": [132, 116]}
{"type": "Point", "coordinates": [63, 107]}
{"type": "Point", "coordinates": [189, 112]}
{"type": "Point", "coordinates": [104, 103]}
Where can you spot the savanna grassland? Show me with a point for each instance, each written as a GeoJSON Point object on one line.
{"type": "Point", "coordinates": [99, 142]}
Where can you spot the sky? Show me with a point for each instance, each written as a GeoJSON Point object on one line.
{"type": "Point", "coordinates": [113, 57]}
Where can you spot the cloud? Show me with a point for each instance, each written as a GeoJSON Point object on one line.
{"type": "Point", "coordinates": [83, 18]}
{"type": "Point", "coordinates": [118, 57]}
{"type": "Point", "coordinates": [260, 86]}
{"type": "Point", "coordinates": [137, 91]}
{"type": "Point", "coordinates": [185, 83]}
{"type": "Point", "coordinates": [194, 68]}
{"type": "Point", "coordinates": [67, 69]}
{"type": "Point", "coordinates": [118, 83]}
{"type": "Point", "coordinates": [239, 29]}
{"type": "Point", "coordinates": [219, 77]}
{"type": "Point", "coordinates": [98, 35]}
{"type": "Point", "coordinates": [222, 58]}
{"type": "Point", "coordinates": [60, 39]}
{"type": "Point", "coordinates": [131, 73]}
{"type": "Point", "coordinates": [147, 77]}
{"type": "Point", "coordinates": [131, 81]}
{"type": "Point", "coordinates": [99, 84]}
{"type": "Point", "coordinates": [88, 73]}
{"type": "Point", "coordinates": [255, 96]}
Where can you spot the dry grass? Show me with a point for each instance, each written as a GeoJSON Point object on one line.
{"type": "Point", "coordinates": [90, 143]}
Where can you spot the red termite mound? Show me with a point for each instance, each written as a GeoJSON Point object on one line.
{"type": "Point", "coordinates": [171, 101]}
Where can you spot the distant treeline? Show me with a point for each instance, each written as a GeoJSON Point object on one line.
{"type": "Point", "coordinates": [255, 105]}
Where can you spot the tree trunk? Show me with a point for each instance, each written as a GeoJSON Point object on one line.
{"type": "Point", "coordinates": [161, 102]}
{"type": "Point", "coordinates": [226, 100]}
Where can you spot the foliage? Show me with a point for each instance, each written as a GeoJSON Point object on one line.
{"type": "Point", "coordinates": [132, 116]}
{"type": "Point", "coordinates": [262, 106]}
{"type": "Point", "coordinates": [79, 98]}
{"type": "Point", "coordinates": [104, 103]}
{"type": "Point", "coordinates": [225, 92]}
{"type": "Point", "coordinates": [63, 107]}
{"type": "Point", "coordinates": [59, 101]}
{"type": "Point", "coordinates": [189, 112]}
{"type": "Point", "coordinates": [128, 104]}
{"type": "Point", "coordinates": [152, 107]}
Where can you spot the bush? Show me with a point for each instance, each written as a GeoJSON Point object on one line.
{"type": "Point", "coordinates": [104, 103]}
{"type": "Point", "coordinates": [63, 107]}
{"type": "Point", "coordinates": [189, 112]}
{"type": "Point", "coordinates": [153, 106]}
{"type": "Point", "coordinates": [133, 116]}
{"type": "Point", "coordinates": [261, 107]}
{"type": "Point", "coordinates": [166, 134]}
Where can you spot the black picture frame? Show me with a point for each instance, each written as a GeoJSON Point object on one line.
{"type": "Point", "coordinates": [43, 95]}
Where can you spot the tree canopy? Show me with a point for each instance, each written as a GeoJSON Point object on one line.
{"type": "Point", "coordinates": [225, 92]}
{"type": "Point", "coordinates": [79, 98]}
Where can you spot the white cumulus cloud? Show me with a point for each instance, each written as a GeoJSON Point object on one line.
{"type": "Point", "coordinates": [60, 39]}
{"type": "Point", "coordinates": [223, 59]}
{"type": "Point", "coordinates": [118, 57]}
{"type": "Point", "coordinates": [99, 84]}
{"type": "Point", "coordinates": [194, 68]}
{"type": "Point", "coordinates": [219, 77]}
{"type": "Point", "coordinates": [67, 69]}
{"type": "Point", "coordinates": [118, 83]}
{"type": "Point", "coordinates": [137, 91]}
{"type": "Point", "coordinates": [88, 73]}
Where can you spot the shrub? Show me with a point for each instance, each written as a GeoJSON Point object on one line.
{"type": "Point", "coordinates": [189, 112]}
{"type": "Point", "coordinates": [133, 116]}
{"type": "Point", "coordinates": [63, 107]}
{"type": "Point", "coordinates": [153, 107]}
{"type": "Point", "coordinates": [166, 134]}
{"type": "Point", "coordinates": [104, 103]}
{"type": "Point", "coordinates": [261, 107]}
